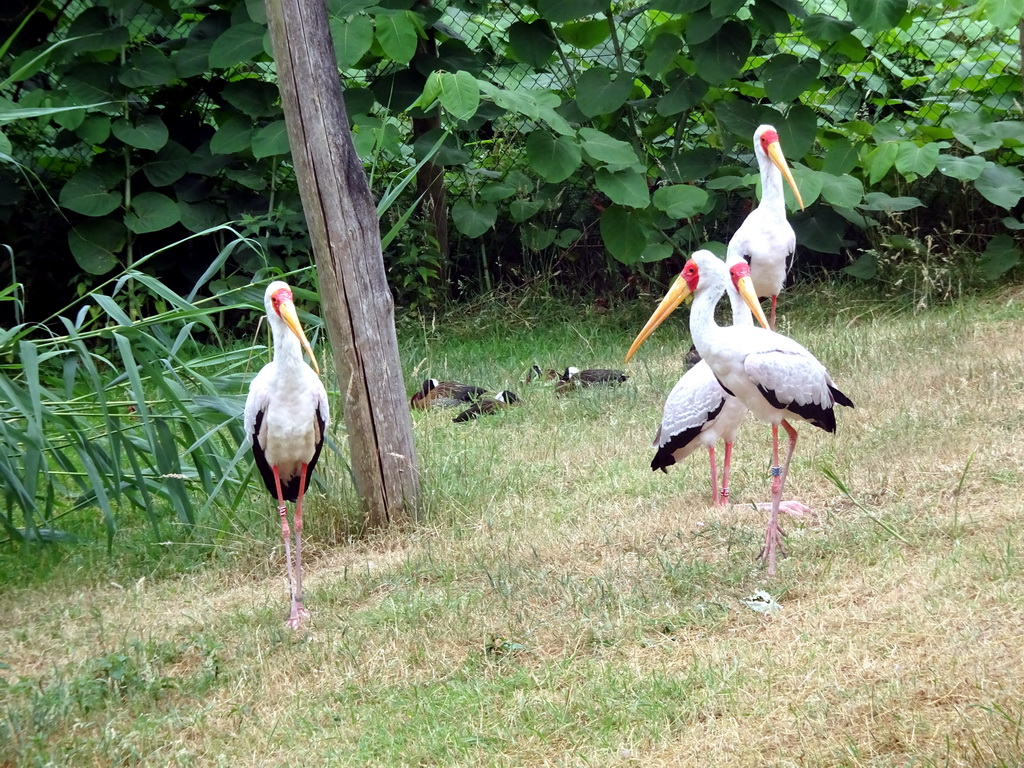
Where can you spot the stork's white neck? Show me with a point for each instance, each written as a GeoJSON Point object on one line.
{"type": "Point", "coordinates": [287, 350]}
{"type": "Point", "coordinates": [703, 327]}
{"type": "Point", "coordinates": [772, 196]}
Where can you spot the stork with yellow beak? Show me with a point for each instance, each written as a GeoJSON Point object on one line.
{"type": "Point", "coordinates": [286, 416]}
{"type": "Point", "coordinates": [776, 378]}
{"type": "Point", "coordinates": [765, 240]}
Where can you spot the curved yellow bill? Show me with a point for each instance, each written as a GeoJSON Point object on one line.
{"type": "Point", "coordinates": [291, 319]}
{"type": "Point", "coordinates": [745, 285]}
{"type": "Point", "coordinates": [775, 153]}
{"type": "Point", "coordinates": [675, 296]}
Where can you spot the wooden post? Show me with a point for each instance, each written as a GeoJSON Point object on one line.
{"type": "Point", "coordinates": [342, 221]}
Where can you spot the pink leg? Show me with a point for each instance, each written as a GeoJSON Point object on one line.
{"type": "Point", "coordinates": [723, 499]}
{"type": "Point", "coordinates": [773, 535]}
{"type": "Point", "coordinates": [714, 475]}
{"type": "Point", "coordinates": [286, 534]}
{"type": "Point", "coordinates": [771, 320]}
{"type": "Point", "coordinates": [298, 612]}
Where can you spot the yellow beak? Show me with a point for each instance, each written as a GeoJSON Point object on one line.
{"type": "Point", "coordinates": [291, 319]}
{"type": "Point", "coordinates": [776, 156]}
{"type": "Point", "coordinates": [675, 296]}
{"type": "Point", "coordinates": [745, 286]}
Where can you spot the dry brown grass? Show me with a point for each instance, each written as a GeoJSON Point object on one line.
{"type": "Point", "coordinates": [563, 605]}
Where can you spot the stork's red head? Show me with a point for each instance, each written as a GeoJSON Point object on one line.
{"type": "Point", "coordinates": [769, 137]}
{"type": "Point", "coordinates": [279, 301]}
{"type": "Point", "coordinates": [280, 297]}
{"type": "Point", "coordinates": [691, 275]}
{"type": "Point", "coordinates": [740, 274]}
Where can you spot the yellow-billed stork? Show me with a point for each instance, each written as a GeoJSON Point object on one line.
{"type": "Point", "coordinates": [765, 240]}
{"type": "Point", "coordinates": [286, 415]}
{"type": "Point", "coordinates": [699, 412]}
{"type": "Point", "coordinates": [776, 378]}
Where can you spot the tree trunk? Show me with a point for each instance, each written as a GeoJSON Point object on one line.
{"type": "Point", "coordinates": [357, 303]}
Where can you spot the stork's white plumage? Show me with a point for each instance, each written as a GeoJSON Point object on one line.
{"type": "Point", "coordinates": [765, 239]}
{"type": "Point", "coordinates": [698, 412]}
{"type": "Point", "coordinates": [286, 415]}
{"type": "Point", "coordinates": [772, 375]}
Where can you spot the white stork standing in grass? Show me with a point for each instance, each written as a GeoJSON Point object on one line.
{"type": "Point", "coordinates": [699, 412]}
{"type": "Point", "coordinates": [765, 240]}
{"type": "Point", "coordinates": [286, 416]}
{"type": "Point", "coordinates": [772, 375]}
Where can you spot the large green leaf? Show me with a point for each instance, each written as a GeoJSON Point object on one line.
{"type": "Point", "coordinates": [822, 231]}
{"type": "Point", "coordinates": [726, 7]}
{"type": "Point", "coordinates": [201, 215]}
{"type": "Point", "coordinates": [877, 15]}
{"type": "Point", "coordinates": [473, 220]}
{"type": "Point", "coordinates": [88, 193]}
{"type": "Point", "coordinates": [147, 67]}
{"type": "Point", "coordinates": [606, 149]}
{"type": "Point", "coordinates": [691, 165]}
{"type": "Point", "coordinates": [786, 77]}
{"type": "Point", "coordinates": [880, 160]}
{"type": "Point", "coordinates": [396, 33]}
{"type": "Point", "coordinates": [841, 156]}
{"type": "Point", "coordinates": [1001, 185]}
{"type": "Point", "coordinates": [624, 231]}
{"type": "Point", "coordinates": [151, 212]}
{"type": "Point", "coordinates": [96, 243]}
{"type": "Point", "coordinates": [823, 28]}
{"type": "Point", "coordinates": [271, 140]}
{"type": "Point", "coordinates": [702, 25]}
{"type": "Point", "coordinates": [961, 168]}
{"type": "Point", "coordinates": [240, 43]}
{"type": "Point", "coordinates": [148, 133]}
{"type": "Point", "coordinates": [584, 34]}
{"type": "Point", "coordinates": [169, 165]}
{"type": "Point", "coordinates": [557, 11]}
{"type": "Point", "coordinates": [770, 17]}
{"type": "Point", "coordinates": [459, 94]}
{"type": "Point", "coordinates": [627, 187]}
{"type": "Point", "coordinates": [1002, 14]}
{"type": "Point", "coordinates": [679, 6]}
{"type": "Point", "coordinates": [798, 131]}
{"type": "Point", "coordinates": [841, 191]}
{"type": "Point", "coordinates": [914, 161]}
{"type": "Point", "coordinates": [723, 56]}
{"type": "Point", "coordinates": [256, 98]}
{"type": "Point", "coordinates": [233, 135]}
{"type": "Point", "coordinates": [880, 201]}
{"type": "Point", "coordinates": [680, 201]}
{"type": "Point", "coordinates": [554, 158]}
{"type": "Point", "coordinates": [1000, 256]}
{"type": "Point", "coordinates": [598, 94]}
{"type": "Point", "coordinates": [684, 92]}
{"type": "Point", "coordinates": [352, 38]}
{"type": "Point", "coordinates": [95, 129]}
{"type": "Point", "coordinates": [532, 42]}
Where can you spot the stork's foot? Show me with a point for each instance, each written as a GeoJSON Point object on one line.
{"type": "Point", "coordinates": [298, 614]}
{"type": "Point", "coordinates": [773, 547]}
{"type": "Point", "coordinates": [791, 508]}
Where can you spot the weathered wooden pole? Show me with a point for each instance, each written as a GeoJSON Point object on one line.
{"type": "Point", "coordinates": [342, 221]}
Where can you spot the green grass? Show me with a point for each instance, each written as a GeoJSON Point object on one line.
{"type": "Point", "coordinates": [561, 604]}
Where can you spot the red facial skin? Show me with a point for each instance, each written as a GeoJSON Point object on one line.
{"type": "Point", "coordinates": [279, 297]}
{"type": "Point", "coordinates": [768, 137]}
{"type": "Point", "coordinates": [691, 275]}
